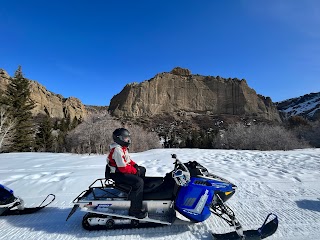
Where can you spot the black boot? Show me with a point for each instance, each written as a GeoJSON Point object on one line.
{"type": "Point", "coordinates": [138, 213]}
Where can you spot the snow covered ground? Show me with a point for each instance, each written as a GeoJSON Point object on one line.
{"type": "Point", "coordinates": [286, 183]}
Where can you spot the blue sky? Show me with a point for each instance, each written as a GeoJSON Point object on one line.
{"type": "Point", "coordinates": [92, 49]}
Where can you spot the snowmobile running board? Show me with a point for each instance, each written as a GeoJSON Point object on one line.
{"type": "Point", "coordinates": [10, 211]}
{"type": "Point", "coordinates": [146, 219]}
{"type": "Point", "coordinates": [126, 216]}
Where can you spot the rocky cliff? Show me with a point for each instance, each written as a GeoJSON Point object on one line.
{"type": "Point", "coordinates": [181, 91]}
{"type": "Point", "coordinates": [47, 102]}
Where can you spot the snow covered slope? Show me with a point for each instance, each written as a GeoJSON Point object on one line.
{"type": "Point", "coordinates": [307, 106]}
{"type": "Point", "coordinates": [283, 182]}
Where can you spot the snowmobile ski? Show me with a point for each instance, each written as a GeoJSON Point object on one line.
{"type": "Point", "coordinates": [266, 230]}
{"type": "Point", "coordinates": [10, 211]}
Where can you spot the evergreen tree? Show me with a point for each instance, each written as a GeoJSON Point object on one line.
{"type": "Point", "coordinates": [44, 137]}
{"type": "Point", "coordinates": [75, 122]}
{"type": "Point", "coordinates": [63, 126]}
{"type": "Point", "coordinates": [17, 98]}
{"type": "Point", "coordinates": [68, 123]}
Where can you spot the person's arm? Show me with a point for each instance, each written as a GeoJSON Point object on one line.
{"type": "Point", "coordinates": [118, 156]}
{"type": "Point", "coordinates": [133, 163]}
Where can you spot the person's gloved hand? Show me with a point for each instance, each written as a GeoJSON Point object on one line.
{"type": "Point", "coordinates": [138, 169]}
{"type": "Point", "coordinates": [138, 172]}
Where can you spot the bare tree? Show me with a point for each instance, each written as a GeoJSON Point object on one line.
{"type": "Point", "coordinates": [309, 133]}
{"type": "Point", "coordinates": [6, 129]}
{"type": "Point", "coordinates": [143, 140]}
{"type": "Point", "coordinates": [259, 137]}
{"type": "Point", "coordinates": [95, 135]}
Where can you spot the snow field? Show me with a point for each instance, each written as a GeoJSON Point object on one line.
{"type": "Point", "coordinates": [283, 182]}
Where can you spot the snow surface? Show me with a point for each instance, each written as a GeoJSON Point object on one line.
{"type": "Point", "coordinates": [283, 182]}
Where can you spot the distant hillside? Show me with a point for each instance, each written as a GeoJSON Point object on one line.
{"type": "Point", "coordinates": [96, 109]}
{"type": "Point", "coordinates": [307, 106]}
{"type": "Point", "coordinates": [48, 102]}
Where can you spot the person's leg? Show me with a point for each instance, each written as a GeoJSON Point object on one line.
{"type": "Point", "coordinates": [136, 195]}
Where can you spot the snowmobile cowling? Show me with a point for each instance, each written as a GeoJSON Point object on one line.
{"type": "Point", "coordinates": [6, 195]}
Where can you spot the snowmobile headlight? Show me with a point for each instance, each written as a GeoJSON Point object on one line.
{"type": "Point", "coordinates": [178, 173]}
{"type": "Point", "coordinates": [182, 178]}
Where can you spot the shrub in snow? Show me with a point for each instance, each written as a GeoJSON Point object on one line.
{"type": "Point", "coordinates": [259, 137]}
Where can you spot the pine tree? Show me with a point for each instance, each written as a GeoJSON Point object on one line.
{"type": "Point", "coordinates": [44, 137]}
{"type": "Point", "coordinates": [17, 98]}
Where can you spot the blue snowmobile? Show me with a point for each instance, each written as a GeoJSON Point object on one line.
{"type": "Point", "coordinates": [12, 205]}
{"type": "Point", "coordinates": [186, 195]}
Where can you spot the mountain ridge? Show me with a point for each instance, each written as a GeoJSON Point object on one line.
{"type": "Point", "coordinates": [307, 106]}
{"type": "Point", "coordinates": [47, 102]}
{"type": "Point", "coordinates": [179, 90]}
{"type": "Point", "coordinates": [58, 106]}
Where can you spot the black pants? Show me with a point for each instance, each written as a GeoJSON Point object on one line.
{"type": "Point", "coordinates": [136, 182]}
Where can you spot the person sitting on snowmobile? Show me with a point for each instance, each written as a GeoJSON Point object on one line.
{"type": "Point", "coordinates": [123, 170]}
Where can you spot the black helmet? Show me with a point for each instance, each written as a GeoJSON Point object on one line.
{"type": "Point", "coordinates": [119, 136]}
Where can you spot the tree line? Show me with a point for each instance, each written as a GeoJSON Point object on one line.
{"type": "Point", "coordinates": [294, 133]}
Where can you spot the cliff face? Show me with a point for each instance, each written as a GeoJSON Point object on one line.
{"type": "Point", "coordinates": [47, 102]}
{"type": "Point", "coordinates": [179, 91]}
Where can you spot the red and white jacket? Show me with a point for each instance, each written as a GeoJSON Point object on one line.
{"type": "Point", "coordinates": [119, 159]}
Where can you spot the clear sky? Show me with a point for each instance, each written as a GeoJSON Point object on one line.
{"type": "Point", "coordinates": [91, 49]}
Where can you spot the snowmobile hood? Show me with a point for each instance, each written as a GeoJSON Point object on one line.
{"type": "Point", "coordinates": [6, 188]}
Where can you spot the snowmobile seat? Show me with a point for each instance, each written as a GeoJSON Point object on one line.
{"type": "Point", "coordinates": [107, 172]}
{"type": "Point", "coordinates": [124, 187]}
{"type": "Point", "coordinates": [151, 183]}
{"type": "Point", "coordinates": [165, 191]}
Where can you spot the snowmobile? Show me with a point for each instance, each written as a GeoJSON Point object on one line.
{"type": "Point", "coordinates": [12, 205]}
{"type": "Point", "coordinates": [188, 194]}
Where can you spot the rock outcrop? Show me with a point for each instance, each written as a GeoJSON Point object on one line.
{"type": "Point", "coordinates": [48, 102]}
{"type": "Point", "coordinates": [180, 91]}
{"type": "Point", "coordinates": [4, 79]}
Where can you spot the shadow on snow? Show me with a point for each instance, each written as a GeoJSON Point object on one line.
{"type": "Point", "coordinates": [52, 220]}
{"type": "Point", "coordinates": [312, 205]}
